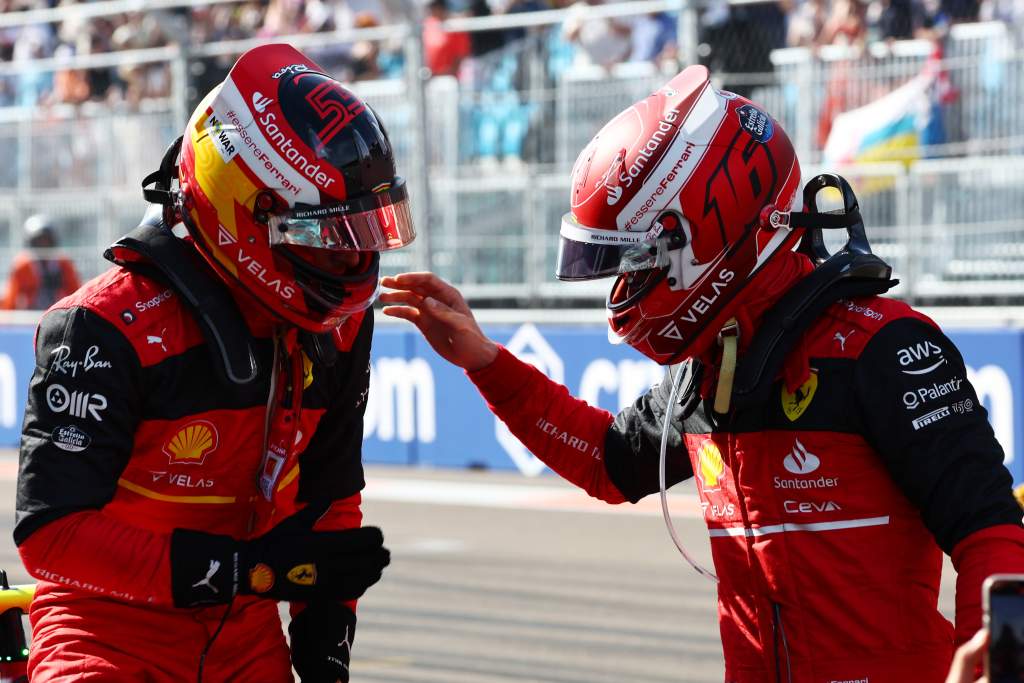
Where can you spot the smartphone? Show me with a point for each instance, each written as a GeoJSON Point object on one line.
{"type": "Point", "coordinates": [1004, 618]}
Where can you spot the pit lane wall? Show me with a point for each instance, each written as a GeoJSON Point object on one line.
{"type": "Point", "coordinates": [422, 411]}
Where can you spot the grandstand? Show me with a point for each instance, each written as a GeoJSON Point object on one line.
{"type": "Point", "coordinates": [90, 94]}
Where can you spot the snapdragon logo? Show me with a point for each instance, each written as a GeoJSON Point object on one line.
{"type": "Point", "coordinates": [155, 302]}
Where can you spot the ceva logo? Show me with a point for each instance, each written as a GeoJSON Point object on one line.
{"type": "Point", "coordinates": [800, 460]}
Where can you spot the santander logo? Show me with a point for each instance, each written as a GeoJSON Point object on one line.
{"type": "Point", "coordinates": [800, 460]}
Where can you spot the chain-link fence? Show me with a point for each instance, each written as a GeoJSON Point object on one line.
{"type": "Point", "coordinates": [487, 148]}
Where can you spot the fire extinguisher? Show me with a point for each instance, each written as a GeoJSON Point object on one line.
{"type": "Point", "coordinates": [14, 602]}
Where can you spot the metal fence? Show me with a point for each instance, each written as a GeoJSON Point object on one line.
{"type": "Point", "coordinates": [487, 153]}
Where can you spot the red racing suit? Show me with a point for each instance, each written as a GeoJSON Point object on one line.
{"type": "Point", "coordinates": [133, 430]}
{"type": "Point", "coordinates": [828, 504]}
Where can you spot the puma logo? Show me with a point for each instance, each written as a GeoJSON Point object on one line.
{"type": "Point", "coordinates": [210, 573]}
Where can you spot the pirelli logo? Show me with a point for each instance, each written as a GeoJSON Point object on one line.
{"type": "Point", "coordinates": [931, 418]}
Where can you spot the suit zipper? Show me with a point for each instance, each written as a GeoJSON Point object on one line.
{"type": "Point", "coordinates": [779, 637]}
{"type": "Point", "coordinates": [266, 425]}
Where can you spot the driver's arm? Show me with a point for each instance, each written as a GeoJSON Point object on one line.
{"type": "Point", "coordinates": [76, 440]}
{"type": "Point", "coordinates": [614, 458]}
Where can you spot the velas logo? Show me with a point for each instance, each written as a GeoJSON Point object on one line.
{"type": "Point", "coordinates": [224, 238]}
{"type": "Point", "coordinates": [711, 466]}
{"type": "Point", "coordinates": [699, 306]}
{"type": "Point", "coordinates": [261, 273]}
{"type": "Point", "coordinates": [192, 443]}
{"type": "Point", "coordinates": [800, 460]}
{"type": "Point", "coordinates": [795, 403]}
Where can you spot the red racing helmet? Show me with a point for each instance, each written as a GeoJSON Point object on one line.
{"type": "Point", "coordinates": [668, 197]}
{"type": "Point", "coordinates": [288, 187]}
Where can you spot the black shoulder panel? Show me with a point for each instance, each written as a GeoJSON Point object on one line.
{"type": "Point", "coordinates": [923, 416]}
{"type": "Point", "coordinates": [331, 466]}
{"type": "Point", "coordinates": [80, 421]}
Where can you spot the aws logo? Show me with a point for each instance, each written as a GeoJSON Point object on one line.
{"type": "Point", "coordinates": [711, 466]}
{"type": "Point", "coordinates": [192, 443]}
{"type": "Point", "coordinates": [795, 404]}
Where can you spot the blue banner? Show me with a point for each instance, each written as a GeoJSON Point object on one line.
{"type": "Point", "coordinates": [423, 411]}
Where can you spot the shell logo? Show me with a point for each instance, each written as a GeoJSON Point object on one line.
{"type": "Point", "coordinates": [711, 466]}
{"type": "Point", "coordinates": [192, 443]}
{"type": "Point", "coordinates": [261, 578]}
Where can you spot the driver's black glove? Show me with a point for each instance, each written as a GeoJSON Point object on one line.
{"type": "Point", "coordinates": [290, 562]}
{"type": "Point", "coordinates": [321, 640]}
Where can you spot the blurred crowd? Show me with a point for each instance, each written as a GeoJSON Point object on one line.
{"type": "Point", "coordinates": [733, 38]}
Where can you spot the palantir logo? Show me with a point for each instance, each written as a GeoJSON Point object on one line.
{"type": "Point", "coordinates": [800, 460]}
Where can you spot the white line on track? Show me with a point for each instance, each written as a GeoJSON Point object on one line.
{"type": "Point", "coordinates": [542, 497]}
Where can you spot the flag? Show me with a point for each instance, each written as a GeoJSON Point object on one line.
{"type": "Point", "coordinates": [899, 126]}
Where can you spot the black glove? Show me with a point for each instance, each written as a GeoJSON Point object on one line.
{"type": "Point", "coordinates": [321, 639]}
{"type": "Point", "coordinates": [289, 562]}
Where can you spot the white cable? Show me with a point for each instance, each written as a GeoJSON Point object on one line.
{"type": "Point", "coordinates": [661, 479]}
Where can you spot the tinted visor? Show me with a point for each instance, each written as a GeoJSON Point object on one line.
{"type": "Point", "coordinates": [374, 222]}
{"type": "Point", "coordinates": [590, 253]}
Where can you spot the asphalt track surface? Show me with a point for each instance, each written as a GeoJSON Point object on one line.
{"type": "Point", "coordinates": [496, 578]}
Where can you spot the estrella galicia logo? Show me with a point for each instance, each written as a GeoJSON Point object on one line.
{"type": "Point", "coordinates": [756, 123]}
{"type": "Point", "coordinates": [70, 438]}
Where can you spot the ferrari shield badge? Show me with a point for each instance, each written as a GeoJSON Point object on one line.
{"type": "Point", "coordinates": [795, 404]}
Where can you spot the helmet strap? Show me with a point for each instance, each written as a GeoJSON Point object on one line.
{"type": "Point", "coordinates": [728, 339]}
{"type": "Point", "coordinates": [162, 178]}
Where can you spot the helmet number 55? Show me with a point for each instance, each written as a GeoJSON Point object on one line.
{"type": "Point", "coordinates": [335, 105]}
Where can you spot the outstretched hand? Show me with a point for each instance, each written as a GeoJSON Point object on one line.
{"type": "Point", "coordinates": [967, 660]}
{"type": "Point", "coordinates": [442, 316]}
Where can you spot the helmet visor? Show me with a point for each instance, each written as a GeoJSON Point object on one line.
{"type": "Point", "coordinates": [375, 222]}
{"type": "Point", "coordinates": [589, 253]}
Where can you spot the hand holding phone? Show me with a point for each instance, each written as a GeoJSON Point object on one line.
{"type": "Point", "coordinates": [1004, 619]}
